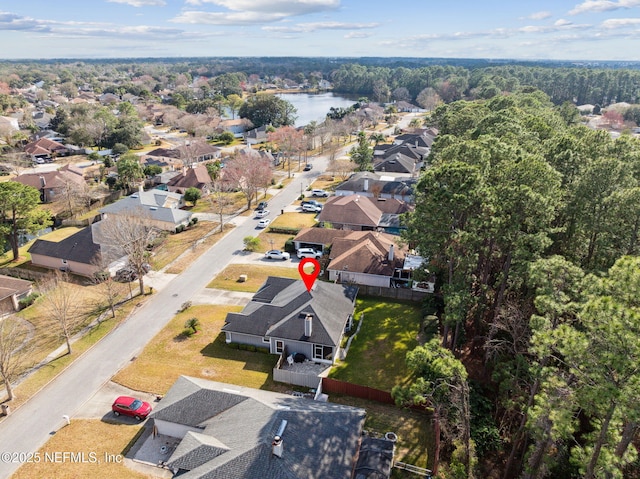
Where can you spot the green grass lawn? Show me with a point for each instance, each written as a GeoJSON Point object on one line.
{"type": "Point", "coordinates": [204, 355]}
{"type": "Point", "coordinates": [376, 357]}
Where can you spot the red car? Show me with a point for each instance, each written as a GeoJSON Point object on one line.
{"type": "Point", "coordinates": [128, 406]}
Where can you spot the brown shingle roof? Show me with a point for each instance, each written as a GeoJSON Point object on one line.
{"type": "Point", "coordinates": [351, 209]}
{"type": "Point", "coordinates": [197, 177]}
{"type": "Point", "coordinates": [320, 235]}
{"type": "Point", "coordinates": [43, 146]}
{"type": "Point", "coordinates": [366, 252]}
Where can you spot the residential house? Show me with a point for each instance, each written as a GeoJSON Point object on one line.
{"type": "Point", "coordinates": [362, 213]}
{"type": "Point", "coordinates": [405, 106]}
{"type": "Point", "coordinates": [318, 239]}
{"type": "Point", "coordinates": [236, 126]}
{"type": "Point", "coordinates": [396, 163]}
{"type": "Point", "coordinates": [12, 290]}
{"type": "Point", "coordinates": [45, 148]}
{"type": "Point", "coordinates": [227, 431]}
{"type": "Point", "coordinates": [77, 254]}
{"type": "Point", "coordinates": [160, 208]}
{"type": "Point", "coordinates": [52, 184]}
{"type": "Point", "coordinates": [376, 185]}
{"type": "Point", "coordinates": [286, 318]}
{"type": "Point", "coordinates": [193, 152]}
{"type": "Point", "coordinates": [8, 123]}
{"type": "Point", "coordinates": [195, 177]}
{"type": "Point", "coordinates": [424, 138]}
{"type": "Point", "coordinates": [257, 135]}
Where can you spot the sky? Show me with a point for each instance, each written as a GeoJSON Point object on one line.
{"type": "Point", "coordinates": [498, 29]}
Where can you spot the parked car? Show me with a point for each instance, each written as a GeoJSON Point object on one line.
{"type": "Point", "coordinates": [261, 206]}
{"type": "Point", "coordinates": [319, 192]}
{"type": "Point", "coordinates": [307, 167]}
{"type": "Point", "coordinates": [308, 253]}
{"type": "Point", "coordinates": [310, 202]}
{"type": "Point", "coordinates": [309, 208]}
{"type": "Point", "coordinates": [262, 213]}
{"type": "Point", "coordinates": [130, 406]}
{"type": "Point", "coordinates": [264, 222]}
{"type": "Point", "coordinates": [277, 254]}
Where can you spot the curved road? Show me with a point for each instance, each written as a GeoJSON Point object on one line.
{"type": "Point", "coordinates": [30, 426]}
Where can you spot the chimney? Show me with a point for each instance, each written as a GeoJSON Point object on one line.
{"type": "Point", "coordinates": [43, 182]}
{"type": "Point", "coordinates": [276, 446]}
{"type": "Point", "coordinates": [366, 184]}
{"type": "Point", "coordinates": [391, 253]}
{"type": "Point", "coordinates": [308, 325]}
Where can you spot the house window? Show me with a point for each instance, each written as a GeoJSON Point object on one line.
{"type": "Point", "coordinates": [322, 352]}
{"type": "Point", "coordinates": [279, 346]}
{"type": "Point", "coordinates": [266, 340]}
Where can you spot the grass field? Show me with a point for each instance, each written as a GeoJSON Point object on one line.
{"type": "Point", "coordinates": [204, 355]}
{"type": "Point", "coordinates": [228, 278]}
{"type": "Point", "coordinates": [376, 357]}
{"type": "Point", "coordinates": [94, 438]}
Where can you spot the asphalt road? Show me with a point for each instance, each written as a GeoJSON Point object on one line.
{"type": "Point", "coordinates": [29, 427]}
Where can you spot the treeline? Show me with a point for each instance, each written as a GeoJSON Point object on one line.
{"type": "Point", "coordinates": [578, 85]}
{"type": "Point", "coordinates": [531, 222]}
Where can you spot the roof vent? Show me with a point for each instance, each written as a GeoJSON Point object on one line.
{"type": "Point", "coordinates": [308, 325]}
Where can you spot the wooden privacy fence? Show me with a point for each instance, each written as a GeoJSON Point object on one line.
{"type": "Point", "coordinates": [405, 294]}
{"type": "Point", "coordinates": [355, 390]}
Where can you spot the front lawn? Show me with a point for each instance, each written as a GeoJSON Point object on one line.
{"type": "Point", "coordinates": [257, 275]}
{"type": "Point", "coordinates": [98, 441]}
{"type": "Point", "coordinates": [205, 355]}
{"type": "Point", "coordinates": [294, 220]}
{"type": "Point", "coordinates": [376, 357]}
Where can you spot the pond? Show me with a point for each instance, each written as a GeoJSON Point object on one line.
{"type": "Point", "coordinates": [315, 106]}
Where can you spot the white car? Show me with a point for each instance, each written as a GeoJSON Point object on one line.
{"type": "Point", "coordinates": [318, 192]}
{"type": "Point", "coordinates": [308, 253]}
{"type": "Point", "coordinates": [262, 213]}
{"type": "Point", "coordinates": [308, 208]}
{"type": "Point", "coordinates": [277, 254]}
{"type": "Point", "coordinates": [264, 222]}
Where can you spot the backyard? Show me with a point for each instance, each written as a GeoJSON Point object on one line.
{"type": "Point", "coordinates": [376, 357]}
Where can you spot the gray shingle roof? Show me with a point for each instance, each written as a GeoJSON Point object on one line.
{"type": "Point", "coordinates": [278, 310]}
{"type": "Point", "coordinates": [320, 440]}
{"type": "Point", "coordinates": [78, 247]}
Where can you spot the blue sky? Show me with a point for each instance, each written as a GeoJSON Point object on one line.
{"type": "Point", "coordinates": [544, 29]}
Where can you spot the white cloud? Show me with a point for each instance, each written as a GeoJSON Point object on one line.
{"type": "Point", "coordinates": [539, 16]}
{"type": "Point", "coordinates": [358, 35]}
{"type": "Point", "coordinates": [244, 12]}
{"type": "Point", "coordinates": [603, 6]}
{"type": "Point", "coordinates": [312, 27]}
{"type": "Point", "coordinates": [141, 3]}
{"type": "Point", "coordinates": [620, 22]}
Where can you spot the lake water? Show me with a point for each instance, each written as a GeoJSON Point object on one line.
{"type": "Point", "coordinates": [315, 106]}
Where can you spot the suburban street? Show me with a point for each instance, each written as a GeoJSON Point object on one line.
{"type": "Point", "coordinates": [26, 429]}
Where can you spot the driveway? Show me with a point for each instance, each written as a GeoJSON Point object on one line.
{"type": "Point", "coordinates": [99, 405]}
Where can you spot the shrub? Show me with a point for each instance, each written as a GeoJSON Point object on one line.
{"type": "Point", "coordinates": [194, 220]}
{"type": "Point", "coordinates": [28, 300]}
{"type": "Point", "coordinates": [184, 306]}
{"type": "Point", "coordinates": [261, 349]}
{"type": "Point", "coordinates": [251, 243]}
{"type": "Point", "coordinates": [179, 228]}
{"type": "Point", "coordinates": [289, 246]}
{"type": "Point", "coordinates": [192, 324]}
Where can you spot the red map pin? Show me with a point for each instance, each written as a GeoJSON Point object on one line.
{"type": "Point", "coordinates": [309, 278]}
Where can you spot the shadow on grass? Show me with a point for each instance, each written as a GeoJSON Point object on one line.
{"type": "Point", "coordinates": [253, 360]}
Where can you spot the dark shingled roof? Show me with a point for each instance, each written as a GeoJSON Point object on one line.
{"type": "Point", "coordinates": [320, 440]}
{"type": "Point", "coordinates": [278, 310]}
{"type": "Point", "coordinates": [78, 247]}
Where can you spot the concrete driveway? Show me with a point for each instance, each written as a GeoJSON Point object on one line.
{"type": "Point", "coordinates": [99, 405]}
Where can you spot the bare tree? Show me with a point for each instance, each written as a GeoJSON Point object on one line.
{"type": "Point", "coordinates": [220, 199]}
{"type": "Point", "coordinates": [289, 141]}
{"type": "Point", "coordinates": [18, 161]}
{"type": "Point", "coordinates": [109, 290]}
{"type": "Point", "coordinates": [15, 349]}
{"type": "Point", "coordinates": [127, 235]}
{"type": "Point", "coordinates": [61, 301]}
{"type": "Point", "coordinates": [190, 150]}
{"type": "Point", "coordinates": [249, 173]}
{"type": "Point", "coordinates": [341, 168]}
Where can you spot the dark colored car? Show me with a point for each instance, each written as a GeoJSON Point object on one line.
{"type": "Point", "coordinates": [262, 205]}
{"type": "Point", "coordinates": [307, 167]}
{"type": "Point", "coordinates": [129, 406]}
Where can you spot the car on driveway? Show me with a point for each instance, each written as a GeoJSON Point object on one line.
{"type": "Point", "coordinates": [264, 222]}
{"type": "Point", "coordinates": [277, 254]}
{"type": "Point", "coordinates": [262, 213]}
{"type": "Point", "coordinates": [309, 208]}
{"type": "Point", "coordinates": [309, 253]}
{"type": "Point", "coordinates": [130, 406]}
{"type": "Point", "coordinates": [318, 192]}
{"type": "Point", "coordinates": [310, 202]}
